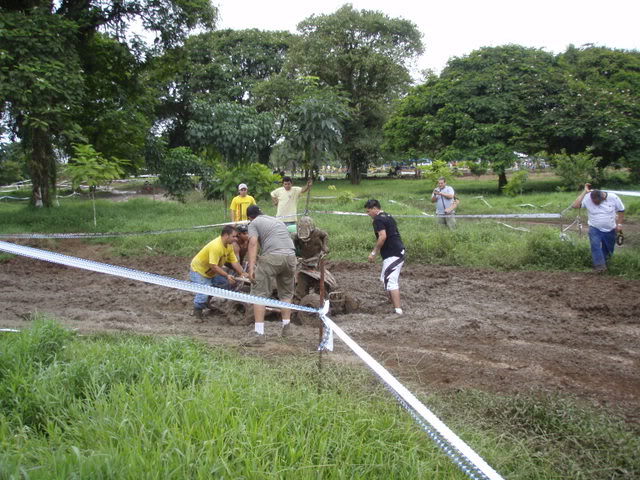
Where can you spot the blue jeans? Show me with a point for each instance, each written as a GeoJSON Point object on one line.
{"type": "Point", "coordinates": [200, 300]}
{"type": "Point", "coordinates": [602, 245]}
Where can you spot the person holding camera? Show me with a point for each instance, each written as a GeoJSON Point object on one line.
{"type": "Point", "coordinates": [446, 202]}
{"type": "Point", "coordinates": [605, 213]}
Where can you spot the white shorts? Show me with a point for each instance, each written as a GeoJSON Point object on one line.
{"type": "Point", "coordinates": [390, 275]}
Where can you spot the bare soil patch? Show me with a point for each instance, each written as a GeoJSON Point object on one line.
{"type": "Point", "coordinates": [570, 334]}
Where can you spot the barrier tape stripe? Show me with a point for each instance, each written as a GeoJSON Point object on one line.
{"type": "Point", "coordinates": [146, 277]}
{"type": "Point", "coordinates": [495, 215]}
{"type": "Point", "coordinates": [622, 192]}
{"type": "Point", "coordinates": [27, 236]}
{"type": "Point", "coordinates": [467, 459]}
{"type": "Point", "coordinates": [521, 229]}
{"type": "Point", "coordinates": [108, 235]}
{"type": "Point", "coordinates": [465, 451]}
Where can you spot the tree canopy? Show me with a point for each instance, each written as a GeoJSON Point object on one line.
{"type": "Point", "coordinates": [497, 101]}
{"type": "Point", "coordinates": [365, 55]}
{"type": "Point", "coordinates": [47, 84]}
{"type": "Point", "coordinates": [75, 72]}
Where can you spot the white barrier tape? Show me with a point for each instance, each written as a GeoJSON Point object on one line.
{"type": "Point", "coordinates": [576, 221]}
{"type": "Point", "coordinates": [399, 203]}
{"type": "Point", "coordinates": [522, 229]}
{"type": "Point", "coordinates": [146, 277]}
{"type": "Point", "coordinates": [622, 192]}
{"type": "Point", "coordinates": [14, 198]}
{"type": "Point", "coordinates": [511, 215]}
{"type": "Point", "coordinates": [493, 215]}
{"type": "Point", "coordinates": [27, 236]}
{"type": "Point", "coordinates": [482, 198]}
{"type": "Point", "coordinates": [461, 453]}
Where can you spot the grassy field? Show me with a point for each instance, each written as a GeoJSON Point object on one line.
{"type": "Point", "coordinates": [486, 243]}
{"type": "Point", "coordinates": [123, 406]}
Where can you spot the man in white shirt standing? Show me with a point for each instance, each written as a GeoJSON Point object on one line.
{"type": "Point", "coordinates": [444, 198]}
{"type": "Point", "coordinates": [606, 215]}
{"type": "Point", "coordinates": [286, 199]}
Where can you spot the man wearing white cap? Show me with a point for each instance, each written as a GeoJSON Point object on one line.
{"type": "Point", "coordinates": [240, 203]}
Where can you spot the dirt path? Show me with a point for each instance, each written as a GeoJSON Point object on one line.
{"type": "Point", "coordinates": [570, 334]}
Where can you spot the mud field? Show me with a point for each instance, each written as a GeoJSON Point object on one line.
{"type": "Point", "coordinates": [534, 332]}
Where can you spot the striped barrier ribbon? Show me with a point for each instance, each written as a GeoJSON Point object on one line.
{"type": "Point", "coordinates": [494, 215]}
{"type": "Point", "coordinates": [27, 236]}
{"type": "Point", "coordinates": [622, 192]}
{"type": "Point", "coordinates": [462, 454]}
{"type": "Point", "coordinates": [13, 198]}
{"type": "Point", "coordinates": [453, 446]}
{"type": "Point", "coordinates": [146, 277]}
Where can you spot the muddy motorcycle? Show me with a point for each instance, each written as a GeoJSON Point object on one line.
{"type": "Point", "coordinates": [307, 293]}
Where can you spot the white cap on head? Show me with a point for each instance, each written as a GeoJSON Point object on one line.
{"type": "Point", "coordinates": [243, 185]}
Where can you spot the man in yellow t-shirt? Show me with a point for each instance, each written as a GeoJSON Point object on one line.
{"type": "Point", "coordinates": [286, 199]}
{"type": "Point", "coordinates": [206, 267]}
{"type": "Point", "coordinates": [240, 203]}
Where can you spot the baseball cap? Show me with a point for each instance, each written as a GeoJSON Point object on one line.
{"type": "Point", "coordinates": [242, 185]}
{"type": "Point", "coordinates": [253, 211]}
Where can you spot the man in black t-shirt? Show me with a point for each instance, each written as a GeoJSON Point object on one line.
{"type": "Point", "coordinates": [390, 246]}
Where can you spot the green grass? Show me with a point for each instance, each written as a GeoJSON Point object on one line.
{"type": "Point", "coordinates": [485, 243]}
{"type": "Point", "coordinates": [123, 406]}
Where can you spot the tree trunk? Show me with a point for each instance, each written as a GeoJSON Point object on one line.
{"type": "Point", "coordinates": [42, 166]}
{"type": "Point", "coordinates": [502, 180]}
{"type": "Point", "coordinates": [264, 155]}
{"type": "Point", "coordinates": [354, 169]}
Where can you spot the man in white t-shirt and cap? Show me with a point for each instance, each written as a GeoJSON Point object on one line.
{"type": "Point", "coordinates": [445, 199]}
{"type": "Point", "coordinates": [606, 216]}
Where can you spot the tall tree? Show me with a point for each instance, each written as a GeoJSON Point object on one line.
{"type": "Point", "coordinates": [117, 109]}
{"type": "Point", "coordinates": [220, 66]}
{"type": "Point", "coordinates": [600, 109]}
{"type": "Point", "coordinates": [42, 88]}
{"type": "Point", "coordinates": [486, 105]}
{"type": "Point", "coordinates": [364, 54]}
{"type": "Point", "coordinates": [231, 131]}
{"type": "Point", "coordinates": [315, 123]}
{"type": "Point", "coordinates": [42, 81]}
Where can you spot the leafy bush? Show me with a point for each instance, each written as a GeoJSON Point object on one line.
{"type": "Point", "coordinates": [436, 170]}
{"type": "Point", "coordinates": [178, 172]}
{"type": "Point", "coordinates": [477, 169]}
{"type": "Point", "coordinates": [257, 176]}
{"type": "Point", "coordinates": [345, 197]}
{"type": "Point", "coordinates": [577, 169]}
{"type": "Point", "coordinates": [515, 185]}
{"type": "Point", "coordinates": [90, 167]}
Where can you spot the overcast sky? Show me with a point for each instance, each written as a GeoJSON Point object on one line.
{"type": "Point", "coordinates": [455, 28]}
